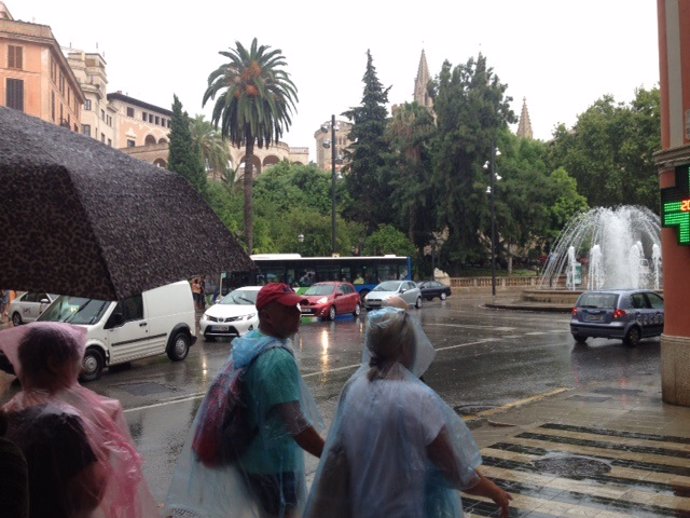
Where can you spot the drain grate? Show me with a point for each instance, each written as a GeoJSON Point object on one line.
{"type": "Point", "coordinates": [613, 391]}
{"type": "Point", "coordinates": [572, 466]}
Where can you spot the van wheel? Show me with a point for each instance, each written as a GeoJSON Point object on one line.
{"type": "Point", "coordinates": [443, 295]}
{"type": "Point", "coordinates": [16, 319]}
{"type": "Point", "coordinates": [92, 365]}
{"type": "Point", "coordinates": [418, 302]}
{"type": "Point", "coordinates": [179, 346]}
{"type": "Point", "coordinates": [632, 337]}
{"type": "Point", "coordinates": [579, 338]}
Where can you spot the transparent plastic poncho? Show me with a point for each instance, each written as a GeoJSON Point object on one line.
{"type": "Point", "coordinates": [280, 406]}
{"type": "Point", "coordinates": [81, 435]}
{"type": "Point", "coordinates": [375, 461]}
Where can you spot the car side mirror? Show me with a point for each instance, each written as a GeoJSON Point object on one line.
{"type": "Point", "coordinates": [338, 295]}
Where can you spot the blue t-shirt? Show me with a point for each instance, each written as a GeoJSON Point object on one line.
{"type": "Point", "coordinates": [271, 380]}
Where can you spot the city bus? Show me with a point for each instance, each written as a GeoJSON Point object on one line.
{"type": "Point", "coordinates": [301, 272]}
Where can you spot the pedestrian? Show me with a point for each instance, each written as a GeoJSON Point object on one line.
{"type": "Point", "coordinates": [14, 477]}
{"type": "Point", "coordinates": [81, 459]}
{"type": "Point", "coordinates": [267, 480]}
{"type": "Point", "coordinates": [197, 293]}
{"type": "Point", "coordinates": [395, 448]}
{"type": "Point", "coordinates": [4, 304]}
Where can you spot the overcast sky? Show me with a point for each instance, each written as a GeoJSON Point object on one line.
{"type": "Point", "coordinates": [561, 55]}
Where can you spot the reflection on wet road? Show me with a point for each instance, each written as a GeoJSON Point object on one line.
{"type": "Point", "coordinates": [485, 358]}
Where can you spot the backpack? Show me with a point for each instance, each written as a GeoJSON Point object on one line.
{"type": "Point", "coordinates": [223, 434]}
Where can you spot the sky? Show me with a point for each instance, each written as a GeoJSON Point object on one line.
{"type": "Point", "coordinates": [561, 55]}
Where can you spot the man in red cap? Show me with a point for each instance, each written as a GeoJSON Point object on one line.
{"type": "Point", "coordinates": [280, 406]}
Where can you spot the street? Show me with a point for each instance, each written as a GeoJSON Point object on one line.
{"type": "Point", "coordinates": [485, 358]}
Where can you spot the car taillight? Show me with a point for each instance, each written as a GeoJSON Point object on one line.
{"type": "Point", "coordinates": [619, 313]}
{"type": "Point", "coordinates": [574, 312]}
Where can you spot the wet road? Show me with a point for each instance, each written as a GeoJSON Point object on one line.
{"type": "Point", "coordinates": [484, 358]}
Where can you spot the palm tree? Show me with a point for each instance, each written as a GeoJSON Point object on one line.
{"type": "Point", "coordinates": [255, 103]}
{"type": "Point", "coordinates": [214, 149]}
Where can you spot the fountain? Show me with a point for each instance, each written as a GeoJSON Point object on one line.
{"type": "Point", "coordinates": [620, 248]}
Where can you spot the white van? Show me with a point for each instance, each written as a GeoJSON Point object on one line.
{"type": "Point", "coordinates": [158, 321]}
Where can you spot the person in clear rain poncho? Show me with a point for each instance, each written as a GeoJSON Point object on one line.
{"type": "Point", "coordinates": [265, 477]}
{"type": "Point", "coordinates": [82, 462]}
{"type": "Point", "coordinates": [395, 448]}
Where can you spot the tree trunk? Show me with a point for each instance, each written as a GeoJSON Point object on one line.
{"type": "Point", "coordinates": [248, 187]}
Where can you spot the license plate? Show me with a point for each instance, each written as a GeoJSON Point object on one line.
{"type": "Point", "coordinates": [222, 328]}
{"type": "Point", "coordinates": [595, 318]}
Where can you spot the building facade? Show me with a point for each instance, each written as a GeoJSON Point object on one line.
{"type": "Point", "coordinates": [323, 137]}
{"type": "Point", "coordinates": [35, 77]}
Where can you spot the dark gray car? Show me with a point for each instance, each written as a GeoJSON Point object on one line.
{"type": "Point", "coordinates": [628, 315]}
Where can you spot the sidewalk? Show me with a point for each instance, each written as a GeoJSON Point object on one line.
{"type": "Point", "coordinates": [607, 451]}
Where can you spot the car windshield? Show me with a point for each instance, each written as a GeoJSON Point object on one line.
{"type": "Point", "coordinates": [598, 300]}
{"type": "Point", "coordinates": [320, 289]}
{"type": "Point", "coordinates": [387, 286]}
{"type": "Point", "coordinates": [244, 297]}
{"type": "Point", "coordinates": [75, 310]}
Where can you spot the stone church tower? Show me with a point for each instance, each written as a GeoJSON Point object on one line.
{"type": "Point", "coordinates": [524, 129]}
{"type": "Point", "coordinates": [421, 95]}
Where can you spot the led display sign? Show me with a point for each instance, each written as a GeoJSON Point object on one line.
{"type": "Point", "coordinates": [675, 205]}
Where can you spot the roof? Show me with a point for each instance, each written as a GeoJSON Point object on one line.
{"type": "Point", "coordinates": [118, 96]}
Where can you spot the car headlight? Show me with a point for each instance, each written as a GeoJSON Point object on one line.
{"type": "Point", "coordinates": [249, 317]}
{"type": "Point", "coordinates": [322, 300]}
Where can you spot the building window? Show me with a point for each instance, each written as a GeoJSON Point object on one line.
{"type": "Point", "coordinates": [86, 129]}
{"type": "Point", "coordinates": [62, 84]}
{"type": "Point", "coordinates": [168, 123]}
{"type": "Point", "coordinates": [158, 121]}
{"type": "Point", "coordinates": [110, 120]}
{"type": "Point", "coordinates": [52, 105]}
{"type": "Point", "coordinates": [131, 143]}
{"type": "Point", "coordinates": [103, 115]}
{"type": "Point", "coordinates": [15, 94]}
{"type": "Point", "coordinates": [53, 70]}
{"type": "Point", "coordinates": [144, 116]}
{"type": "Point", "coordinates": [14, 57]}
{"type": "Point", "coordinates": [103, 138]}
{"type": "Point", "coordinates": [130, 112]}
{"type": "Point", "coordinates": [87, 105]}
{"type": "Point", "coordinates": [110, 142]}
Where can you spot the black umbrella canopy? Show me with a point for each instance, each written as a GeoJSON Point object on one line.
{"type": "Point", "coordinates": [80, 218]}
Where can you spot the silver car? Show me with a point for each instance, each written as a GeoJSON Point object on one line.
{"type": "Point", "coordinates": [407, 290]}
{"type": "Point", "coordinates": [627, 315]}
{"type": "Point", "coordinates": [28, 306]}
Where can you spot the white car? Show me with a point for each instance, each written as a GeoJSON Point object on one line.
{"type": "Point", "coordinates": [29, 306]}
{"type": "Point", "coordinates": [407, 290]}
{"type": "Point", "coordinates": [234, 315]}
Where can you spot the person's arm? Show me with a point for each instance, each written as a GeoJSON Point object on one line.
{"type": "Point", "coordinates": [297, 425]}
{"type": "Point", "coordinates": [440, 452]}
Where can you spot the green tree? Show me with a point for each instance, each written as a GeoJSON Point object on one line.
{"type": "Point", "coordinates": [472, 110]}
{"type": "Point", "coordinates": [255, 103]}
{"type": "Point", "coordinates": [410, 132]}
{"type": "Point", "coordinates": [184, 156]}
{"type": "Point", "coordinates": [388, 240]}
{"type": "Point", "coordinates": [214, 150]}
{"type": "Point", "coordinates": [367, 171]}
{"type": "Point", "coordinates": [609, 151]}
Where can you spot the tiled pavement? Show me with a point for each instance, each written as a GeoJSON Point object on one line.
{"type": "Point", "coordinates": [604, 452]}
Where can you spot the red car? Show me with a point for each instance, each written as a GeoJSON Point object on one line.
{"type": "Point", "coordinates": [329, 299]}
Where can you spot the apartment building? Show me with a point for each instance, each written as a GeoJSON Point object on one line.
{"type": "Point", "coordinates": [35, 77]}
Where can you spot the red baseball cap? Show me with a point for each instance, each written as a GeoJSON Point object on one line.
{"type": "Point", "coordinates": [277, 292]}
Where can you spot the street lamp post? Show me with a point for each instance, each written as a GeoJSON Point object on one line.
{"type": "Point", "coordinates": [333, 185]}
{"type": "Point", "coordinates": [493, 177]}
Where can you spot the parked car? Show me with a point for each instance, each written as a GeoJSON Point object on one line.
{"type": "Point", "coordinates": [154, 322]}
{"type": "Point", "coordinates": [234, 315]}
{"type": "Point", "coordinates": [29, 306]}
{"type": "Point", "coordinates": [408, 290]}
{"type": "Point", "coordinates": [628, 315]}
{"type": "Point", "coordinates": [432, 289]}
{"type": "Point", "coordinates": [326, 300]}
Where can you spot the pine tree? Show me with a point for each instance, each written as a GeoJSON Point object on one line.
{"type": "Point", "coordinates": [368, 174]}
{"type": "Point", "coordinates": [184, 156]}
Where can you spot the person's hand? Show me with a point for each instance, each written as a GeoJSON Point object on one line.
{"type": "Point", "coordinates": [502, 499]}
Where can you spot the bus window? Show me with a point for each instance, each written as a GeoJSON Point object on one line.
{"type": "Point", "coordinates": [388, 272]}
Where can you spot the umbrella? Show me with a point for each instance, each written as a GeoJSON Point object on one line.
{"type": "Point", "coordinates": [80, 218]}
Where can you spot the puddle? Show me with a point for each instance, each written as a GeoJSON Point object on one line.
{"type": "Point", "coordinates": [572, 466]}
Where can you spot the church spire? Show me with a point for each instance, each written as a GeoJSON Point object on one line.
{"type": "Point", "coordinates": [524, 128]}
{"type": "Point", "coordinates": [421, 95]}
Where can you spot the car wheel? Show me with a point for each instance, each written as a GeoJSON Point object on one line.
{"type": "Point", "coordinates": [579, 338]}
{"type": "Point", "coordinates": [16, 319]}
{"type": "Point", "coordinates": [357, 311]}
{"type": "Point", "coordinates": [430, 298]}
{"type": "Point", "coordinates": [633, 336]}
{"type": "Point", "coordinates": [179, 346]}
{"type": "Point", "coordinates": [331, 313]}
{"type": "Point", "coordinates": [92, 365]}
{"type": "Point", "coordinates": [418, 302]}
{"type": "Point", "coordinates": [443, 295]}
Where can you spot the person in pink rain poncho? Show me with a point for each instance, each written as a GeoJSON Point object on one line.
{"type": "Point", "coordinates": [82, 462]}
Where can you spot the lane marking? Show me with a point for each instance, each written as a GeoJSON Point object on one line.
{"type": "Point", "coordinates": [516, 404]}
{"type": "Point", "coordinates": [469, 326]}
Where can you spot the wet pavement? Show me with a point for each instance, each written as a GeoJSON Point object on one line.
{"type": "Point", "coordinates": [570, 430]}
